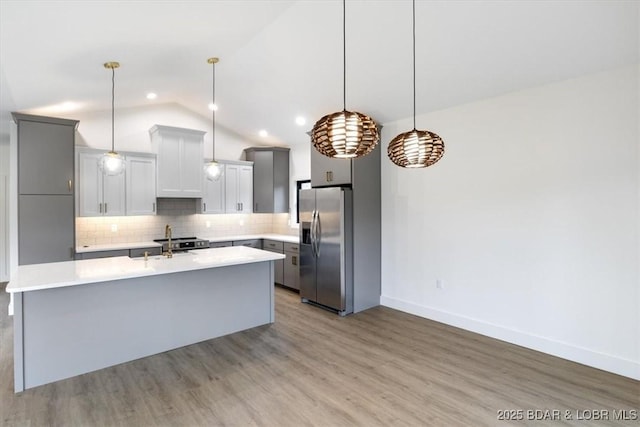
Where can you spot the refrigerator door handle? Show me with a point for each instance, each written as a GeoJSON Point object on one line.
{"type": "Point", "coordinates": [312, 231]}
{"type": "Point", "coordinates": [318, 237]}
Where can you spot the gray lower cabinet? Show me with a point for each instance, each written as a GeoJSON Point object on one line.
{"type": "Point", "coordinates": [220, 244]}
{"type": "Point", "coordinates": [45, 229]}
{"type": "Point", "coordinates": [132, 253]}
{"type": "Point", "coordinates": [278, 247]}
{"type": "Point", "coordinates": [292, 266]}
{"type": "Point", "coordinates": [139, 252]}
{"type": "Point", "coordinates": [102, 254]}
{"type": "Point", "coordinates": [252, 243]}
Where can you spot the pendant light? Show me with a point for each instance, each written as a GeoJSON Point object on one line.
{"type": "Point", "coordinates": [416, 148]}
{"type": "Point", "coordinates": [345, 134]}
{"type": "Point", "coordinates": [112, 163]}
{"type": "Point", "coordinates": [213, 169]}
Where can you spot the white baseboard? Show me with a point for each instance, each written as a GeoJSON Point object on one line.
{"type": "Point", "coordinates": [606, 362]}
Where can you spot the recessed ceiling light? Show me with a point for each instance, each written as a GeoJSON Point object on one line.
{"type": "Point", "coordinates": [152, 95]}
{"type": "Point", "coordinates": [263, 133]}
{"type": "Point", "coordinates": [301, 121]}
{"type": "Point", "coordinates": [213, 107]}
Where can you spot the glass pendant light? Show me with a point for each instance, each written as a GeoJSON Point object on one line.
{"type": "Point", "coordinates": [213, 169]}
{"type": "Point", "coordinates": [416, 148]}
{"type": "Point", "coordinates": [112, 163]}
{"type": "Point", "coordinates": [345, 134]}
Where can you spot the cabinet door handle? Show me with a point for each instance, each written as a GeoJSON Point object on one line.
{"type": "Point", "coordinates": [100, 207]}
{"type": "Point", "coordinates": [241, 207]}
{"type": "Point", "coordinates": [329, 176]}
{"type": "Point", "coordinates": [204, 207]}
{"type": "Point", "coordinates": [105, 208]}
{"type": "Point", "coordinates": [70, 185]}
{"type": "Point", "coordinates": [154, 207]}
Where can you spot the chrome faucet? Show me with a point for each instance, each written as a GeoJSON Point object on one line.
{"type": "Point", "coordinates": [167, 235]}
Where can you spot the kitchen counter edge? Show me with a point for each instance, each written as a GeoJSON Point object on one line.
{"type": "Point", "coordinates": [36, 277]}
{"type": "Point", "coordinates": [288, 238]}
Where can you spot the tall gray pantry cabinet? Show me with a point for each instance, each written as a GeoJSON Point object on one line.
{"type": "Point", "coordinates": [270, 178]}
{"type": "Point", "coordinates": [46, 219]}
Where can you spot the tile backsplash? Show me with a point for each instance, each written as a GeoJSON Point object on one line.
{"type": "Point", "coordinates": [181, 215]}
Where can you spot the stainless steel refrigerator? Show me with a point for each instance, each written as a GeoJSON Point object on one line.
{"type": "Point", "coordinates": [326, 248]}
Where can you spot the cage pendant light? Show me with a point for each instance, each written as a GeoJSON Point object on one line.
{"type": "Point", "coordinates": [213, 169]}
{"type": "Point", "coordinates": [345, 134]}
{"type": "Point", "coordinates": [416, 148]}
{"type": "Point", "coordinates": [112, 163]}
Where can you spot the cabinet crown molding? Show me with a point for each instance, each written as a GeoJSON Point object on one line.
{"type": "Point", "coordinates": [173, 129]}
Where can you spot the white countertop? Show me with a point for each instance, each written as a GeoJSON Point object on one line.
{"type": "Point", "coordinates": [136, 245]}
{"type": "Point", "coordinates": [71, 273]}
{"type": "Point", "coordinates": [117, 246]}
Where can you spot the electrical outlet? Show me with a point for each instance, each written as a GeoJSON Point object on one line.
{"type": "Point", "coordinates": [208, 224]}
{"type": "Point", "coordinates": [439, 284]}
{"type": "Point", "coordinates": [114, 228]}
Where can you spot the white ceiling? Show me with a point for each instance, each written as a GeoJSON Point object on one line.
{"type": "Point", "coordinates": [280, 59]}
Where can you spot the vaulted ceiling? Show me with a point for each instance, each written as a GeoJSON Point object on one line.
{"type": "Point", "coordinates": [282, 59]}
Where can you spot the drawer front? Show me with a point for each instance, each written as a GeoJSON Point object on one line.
{"type": "Point", "coordinates": [291, 247]}
{"type": "Point", "coordinates": [220, 244]}
{"type": "Point", "coordinates": [252, 243]}
{"type": "Point", "coordinates": [292, 270]}
{"type": "Point", "coordinates": [138, 252]}
{"type": "Point", "coordinates": [273, 245]}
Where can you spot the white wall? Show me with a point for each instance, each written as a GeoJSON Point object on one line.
{"type": "Point", "coordinates": [531, 221]}
{"type": "Point", "coordinates": [299, 169]}
{"type": "Point", "coordinates": [132, 130]}
{"type": "Point", "coordinates": [4, 208]}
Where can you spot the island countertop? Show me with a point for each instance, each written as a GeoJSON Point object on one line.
{"type": "Point", "coordinates": [72, 273]}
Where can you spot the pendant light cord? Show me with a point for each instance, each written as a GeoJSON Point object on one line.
{"type": "Point", "coordinates": [113, 97]}
{"type": "Point", "coordinates": [213, 114]}
{"type": "Point", "coordinates": [414, 64]}
{"type": "Point", "coordinates": [344, 55]}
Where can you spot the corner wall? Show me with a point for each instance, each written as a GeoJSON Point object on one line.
{"type": "Point", "coordinates": [4, 208]}
{"type": "Point", "coordinates": [530, 222]}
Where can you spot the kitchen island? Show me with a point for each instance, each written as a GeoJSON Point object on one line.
{"type": "Point", "coordinates": [75, 317]}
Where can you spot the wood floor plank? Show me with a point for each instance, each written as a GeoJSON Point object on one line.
{"type": "Point", "coordinates": [380, 367]}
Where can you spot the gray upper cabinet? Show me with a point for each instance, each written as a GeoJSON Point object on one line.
{"type": "Point", "coordinates": [270, 179]}
{"type": "Point", "coordinates": [45, 154]}
{"type": "Point", "coordinates": [326, 172]}
{"type": "Point", "coordinates": [46, 221]}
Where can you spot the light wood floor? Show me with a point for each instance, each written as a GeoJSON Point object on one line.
{"type": "Point", "coordinates": [379, 367]}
